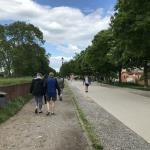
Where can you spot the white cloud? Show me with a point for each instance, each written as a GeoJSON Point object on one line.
{"type": "Point", "coordinates": [69, 48]}
{"type": "Point", "coordinates": [69, 29]}
{"type": "Point", "coordinates": [56, 61]}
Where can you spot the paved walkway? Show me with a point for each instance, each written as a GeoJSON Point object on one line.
{"type": "Point", "coordinates": [131, 108]}
{"type": "Point", "coordinates": [27, 131]}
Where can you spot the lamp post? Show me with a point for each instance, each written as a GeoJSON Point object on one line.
{"type": "Point", "coordinates": [62, 59]}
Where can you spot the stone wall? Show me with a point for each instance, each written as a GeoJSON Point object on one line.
{"type": "Point", "coordinates": [16, 90]}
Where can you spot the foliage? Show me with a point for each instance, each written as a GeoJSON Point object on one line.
{"type": "Point", "coordinates": [13, 107]}
{"type": "Point", "coordinates": [21, 50]}
{"type": "Point", "coordinates": [131, 27]}
{"type": "Point", "coordinates": [126, 44]}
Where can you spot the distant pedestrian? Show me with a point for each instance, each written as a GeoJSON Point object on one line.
{"type": "Point", "coordinates": [51, 93]}
{"type": "Point", "coordinates": [86, 82]}
{"type": "Point", "coordinates": [61, 86]}
{"type": "Point", "coordinates": [37, 91]}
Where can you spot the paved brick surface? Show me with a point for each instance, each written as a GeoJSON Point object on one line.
{"type": "Point", "coordinates": [27, 131]}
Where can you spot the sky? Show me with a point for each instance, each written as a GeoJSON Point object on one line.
{"type": "Point", "coordinates": [68, 26]}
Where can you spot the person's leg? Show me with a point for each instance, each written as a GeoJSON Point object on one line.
{"type": "Point", "coordinates": [48, 105]}
{"type": "Point", "coordinates": [45, 99]}
{"type": "Point", "coordinates": [36, 107]}
{"type": "Point", "coordinates": [40, 103]}
{"type": "Point", "coordinates": [48, 108]}
{"type": "Point", "coordinates": [85, 88]}
{"type": "Point", "coordinates": [61, 93]}
{"type": "Point", "coordinates": [53, 105]}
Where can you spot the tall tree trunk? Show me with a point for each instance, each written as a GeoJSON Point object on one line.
{"type": "Point", "coordinates": [120, 80]}
{"type": "Point", "coordinates": [145, 74]}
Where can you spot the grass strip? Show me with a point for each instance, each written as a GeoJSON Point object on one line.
{"type": "Point", "coordinates": [132, 86]}
{"type": "Point", "coordinates": [87, 125]}
{"type": "Point", "coordinates": [13, 107]}
{"type": "Point", "coordinates": [128, 85]}
{"type": "Point", "coordinates": [14, 81]}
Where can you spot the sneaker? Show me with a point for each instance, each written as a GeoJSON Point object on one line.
{"type": "Point", "coordinates": [36, 111]}
{"type": "Point", "coordinates": [48, 113]}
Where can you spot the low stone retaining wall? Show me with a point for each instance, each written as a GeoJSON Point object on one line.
{"type": "Point", "coordinates": [16, 90]}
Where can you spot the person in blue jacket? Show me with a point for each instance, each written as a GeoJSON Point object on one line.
{"type": "Point", "coordinates": [51, 87]}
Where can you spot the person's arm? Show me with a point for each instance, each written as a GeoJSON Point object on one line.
{"type": "Point", "coordinates": [58, 88]}
{"type": "Point", "coordinates": [45, 86]}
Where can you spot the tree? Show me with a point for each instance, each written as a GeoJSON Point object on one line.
{"type": "Point", "coordinates": [6, 52]}
{"type": "Point", "coordinates": [131, 25]}
{"type": "Point", "coordinates": [98, 54]}
{"type": "Point", "coordinates": [26, 41]}
{"type": "Point", "coordinates": [67, 68]}
{"type": "Point", "coordinates": [21, 50]}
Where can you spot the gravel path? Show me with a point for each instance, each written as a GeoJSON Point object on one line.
{"type": "Point", "coordinates": [28, 131]}
{"type": "Point", "coordinates": [113, 134]}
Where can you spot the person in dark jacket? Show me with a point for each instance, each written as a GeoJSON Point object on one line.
{"type": "Point", "coordinates": [51, 92]}
{"type": "Point", "coordinates": [37, 90]}
{"type": "Point", "coordinates": [61, 86]}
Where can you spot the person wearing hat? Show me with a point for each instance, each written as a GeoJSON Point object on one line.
{"type": "Point", "coordinates": [37, 91]}
{"type": "Point", "coordinates": [51, 87]}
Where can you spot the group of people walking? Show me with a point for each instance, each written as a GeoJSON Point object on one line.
{"type": "Point", "coordinates": [47, 88]}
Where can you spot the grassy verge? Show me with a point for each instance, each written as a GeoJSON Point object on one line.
{"type": "Point", "coordinates": [87, 126]}
{"type": "Point", "coordinates": [13, 107]}
{"type": "Point", "coordinates": [128, 85]}
{"type": "Point", "coordinates": [14, 81]}
{"type": "Point", "coordinates": [131, 85]}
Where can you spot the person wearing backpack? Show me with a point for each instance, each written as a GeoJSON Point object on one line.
{"type": "Point", "coordinates": [37, 90]}
{"type": "Point", "coordinates": [86, 82]}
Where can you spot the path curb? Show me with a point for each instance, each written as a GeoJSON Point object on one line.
{"type": "Point", "coordinates": [73, 99]}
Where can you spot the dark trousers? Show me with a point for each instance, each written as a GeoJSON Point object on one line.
{"type": "Point", "coordinates": [39, 101]}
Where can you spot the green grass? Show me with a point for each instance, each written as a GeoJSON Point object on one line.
{"type": "Point", "coordinates": [88, 127]}
{"type": "Point", "coordinates": [131, 85]}
{"type": "Point", "coordinates": [13, 107]}
{"type": "Point", "coordinates": [14, 81]}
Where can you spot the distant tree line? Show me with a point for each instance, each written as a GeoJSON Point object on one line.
{"type": "Point", "coordinates": [126, 44]}
{"type": "Point", "coordinates": [21, 51]}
